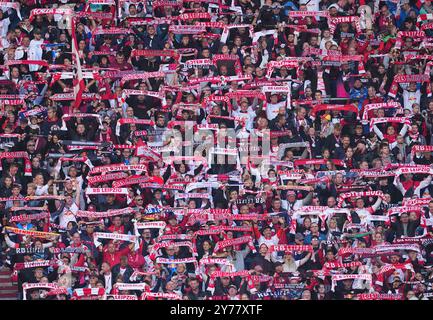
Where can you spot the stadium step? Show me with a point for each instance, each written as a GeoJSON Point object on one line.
{"type": "Point", "coordinates": [8, 289]}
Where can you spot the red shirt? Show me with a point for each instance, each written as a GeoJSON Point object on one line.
{"type": "Point", "coordinates": [114, 258]}
{"type": "Point", "coordinates": [120, 229]}
{"type": "Point", "coordinates": [135, 260]}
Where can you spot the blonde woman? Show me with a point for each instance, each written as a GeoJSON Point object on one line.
{"type": "Point", "coordinates": [292, 265]}
{"type": "Point", "coordinates": [332, 227]}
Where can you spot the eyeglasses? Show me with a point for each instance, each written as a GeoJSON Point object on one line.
{"type": "Point", "coordinates": [138, 199]}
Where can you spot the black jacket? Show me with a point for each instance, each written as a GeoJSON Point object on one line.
{"type": "Point", "coordinates": [126, 275]}
{"type": "Point", "coordinates": [398, 231]}
{"type": "Point", "coordinates": [102, 279]}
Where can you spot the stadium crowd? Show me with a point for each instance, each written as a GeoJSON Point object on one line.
{"type": "Point", "coordinates": [217, 149]}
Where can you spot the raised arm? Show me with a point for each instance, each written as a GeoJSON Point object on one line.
{"type": "Point", "coordinates": [425, 183]}
{"type": "Point", "coordinates": [404, 129]}
{"type": "Point", "coordinates": [399, 185]}
{"type": "Point", "coordinates": [376, 205]}
{"type": "Point", "coordinates": [378, 132]}
{"type": "Point", "coordinates": [305, 259]}
{"type": "Point", "coordinates": [307, 199]}
{"type": "Point", "coordinates": [10, 243]}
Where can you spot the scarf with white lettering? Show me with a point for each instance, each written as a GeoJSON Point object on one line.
{"type": "Point", "coordinates": [402, 78]}
{"type": "Point", "coordinates": [160, 295]}
{"type": "Point", "coordinates": [121, 297]}
{"type": "Point", "coordinates": [235, 242]}
{"type": "Point", "coordinates": [291, 248]}
{"type": "Point", "coordinates": [353, 195]}
{"type": "Point", "coordinates": [24, 217]}
{"type": "Point", "coordinates": [219, 274]}
{"type": "Point", "coordinates": [31, 233]}
{"type": "Point", "coordinates": [112, 236]}
{"type": "Point", "coordinates": [339, 277]}
{"type": "Point", "coordinates": [87, 292]}
{"type": "Point", "coordinates": [118, 167]}
{"type": "Point", "coordinates": [107, 177]}
{"type": "Point", "coordinates": [132, 121]}
{"type": "Point", "coordinates": [103, 214]}
{"type": "Point", "coordinates": [18, 154]}
{"type": "Point", "coordinates": [80, 115]}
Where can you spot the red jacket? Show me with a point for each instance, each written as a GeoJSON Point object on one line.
{"type": "Point", "coordinates": [114, 258]}
{"type": "Point", "coordinates": [136, 261]}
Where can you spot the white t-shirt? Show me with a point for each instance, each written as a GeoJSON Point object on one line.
{"type": "Point", "coordinates": [4, 26]}
{"type": "Point", "coordinates": [107, 282]}
{"type": "Point", "coordinates": [269, 242]}
{"type": "Point", "coordinates": [324, 41]}
{"type": "Point", "coordinates": [41, 190]}
{"type": "Point", "coordinates": [410, 97]}
{"type": "Point", "coordinates": [65, 218]}
{"type": "Point", "coordinates": [248, 116]}
{"type": "Point", "coordinates": [363, 215]}
{"type": "Point", "coordinates": [297, 205]}
{"type": "Point", "coordinates": [312, 5]}
{"type": "Point", "coordinates": [35, 53]}
{"type": "Point", "coordinates": [272, 109]}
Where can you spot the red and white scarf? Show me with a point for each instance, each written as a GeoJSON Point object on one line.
{"type": "Point", "coordinates": [401, 78]}
{"type": "Point", "coordinates": [338, 265]}
{"type": "Point", "coordinates": [334, 107]}
{"type": "Point", "coordinates": [421, 148]}
{"type": "Point", "coordinates": [375, 106]}
{"type": "Point", "coordinates": [163, 295]}
{"type": "Point", "coordinates": [179, 261]}
{"type": "Point", "coordinates": [402, 120]}
{"type": "Point", "coordinates": [107, 177]}
{"type": "Point", "coordinates": [306, 162]}
{"type": "Point", "coordinates": [87, 292]}
{"type": "Point", "coordinates": [291, 248]}
{"type": "Point", "coordinates": [19, 154]}
{"type": "Point", "coordinates": [235, 242]}
{"type": "Point", "coordinates": [187, 29]}
{"type": "Point", "coordinates": [132, 286]}
{"type": "Point", "coordinates": [357, 251]}
{"type": "Point", "coordinates": [24, 217]}
{"type": "Point", "coordinates": [141, 76]}
{"type": "Point", "coordinates": [150, 225]}
{"type": "Point", "coordinates": [79, 115]}
{"type": "Point", "coordinates": [339, 277]}
{"type": "Point", "coordinates": [121, 297]}
{"type": "Point", "coordinates": [153, 53]}
{"type": "Point", "coordinates": [353, 195]}
{"type": "Point", "coordinates": [132, 121]}
{"type": "Point", "coordinates": [416, 202]}
{"type": "Point", "coordinates": [103, 214]}
{"type": "Point", "coordinates": [342, 59]}
{"type": "Point", "coordinates": [392, 247]}
{"type": "Point", "coordinates": [34, 264]}
{"type": "Point", "coordinates": [118, 167]}
{"type": "Point", "coordinates": [93, 191]}
{"type": "Point", "coordinates": [219, 274]}
{"type": "Point", "coordinates": [31, 233]}
{"type": "Point", "coordinates": [154, 252]}
{"type": "Point", "coordinates": [411, 34]}
{"type": "Point", "coordinates": [334, 21]}
{"type": "Point", "coordinates": [379, 296]}
{"type": "Point", "coordinates": [27, 286]}
{"type": "Point", "coordinates": [113, 236]}
{"type": "Point", "coordinates": [131, 180]}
